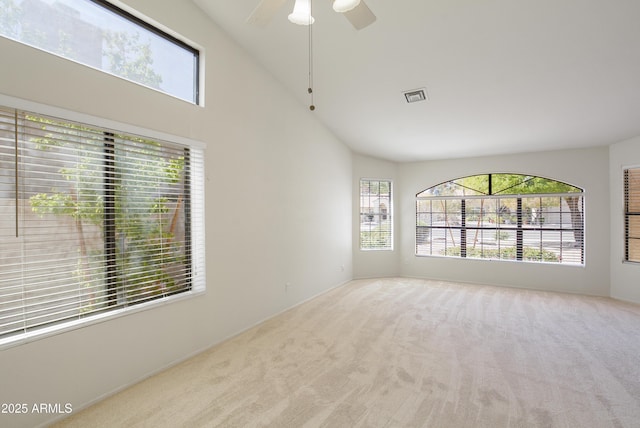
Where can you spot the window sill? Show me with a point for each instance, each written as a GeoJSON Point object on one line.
{"type": "Point", "coordinates": [67, 326]}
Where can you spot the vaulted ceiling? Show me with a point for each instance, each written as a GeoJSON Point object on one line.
{"type": "Point", "coordinates": [502, 76]}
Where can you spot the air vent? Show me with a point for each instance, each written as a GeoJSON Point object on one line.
{"type": "Point", "coordinates": [415, 95]}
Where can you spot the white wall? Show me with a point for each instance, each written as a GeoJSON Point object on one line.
{"type": "Point", "coordinates": [625, 277]}
{"type": "Point", "coordinates": [279, 211]}
{"type": "Point", "coordinates": [587, 169]}
{"type": "Point", "coordinates": [373, 264]}
{"type": "Point", "coordinates": [274, 213]}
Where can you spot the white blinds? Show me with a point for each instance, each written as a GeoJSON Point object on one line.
{"type": "Point", "coordinates": [376, 225]}
{"type": "Point", "coordinates": [632, 214]}
{"type": "Point", "coordinates": [93, 220]}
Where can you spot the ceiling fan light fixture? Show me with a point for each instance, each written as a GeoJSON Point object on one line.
{"type": "Point", "coordinates": [345, 5]}
{"type": "Point", "coordinates": [301, 14]}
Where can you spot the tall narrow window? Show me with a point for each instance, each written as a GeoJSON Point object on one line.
{"type": "Point", "coordinates": [100, 35]}
{"type": "Point", "coordinates": [376, 223]}
{"type": "Point", "coordinates": [502, 216]}
{"type": "Point", "coordinates": [632, 214]}
{"type": "Point", "coordinates": [92, 220]}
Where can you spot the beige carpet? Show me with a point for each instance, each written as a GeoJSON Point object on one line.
{"type": "Point", "coordinates": [406, 353]}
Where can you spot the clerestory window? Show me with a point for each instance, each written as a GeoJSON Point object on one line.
{"type": "Point", "coordinates": [93, 221]}
{"type": "Point", "coordinates": [100, 35]}
{"type": "Point", "coordinates": [502, 217]}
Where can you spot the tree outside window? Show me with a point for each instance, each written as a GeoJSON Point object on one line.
{"type": "Point", "coordinates": [502, 216]}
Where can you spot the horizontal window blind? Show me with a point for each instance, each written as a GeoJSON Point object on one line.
{"type": "Point", "coordinates": [376, 225]}
{"type": "Point", "coordinates": [632, 214]}
{"type": "Point", "coordinates": [93, 220]}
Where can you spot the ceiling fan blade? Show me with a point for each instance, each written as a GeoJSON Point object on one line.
{"type": "Point", "coordinates": [360, 16]}
{"type": "Point", "coordinates": [264, 12]}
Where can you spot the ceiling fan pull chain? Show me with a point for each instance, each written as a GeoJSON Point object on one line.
{"type": "Point", "coordinates": [312, 107]}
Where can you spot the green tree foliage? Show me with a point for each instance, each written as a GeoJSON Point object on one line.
{"type": "Point", "coordinates": [515, 184]}
{"type": "Point", "coordinates": [376, 238]}
{"type": "Point", "coordinates": [506, 253]}
{"type": "Point", "coordinates": [510, 184]}
{"type": "Point", "coordinates": [10, 14]}
{"type": "Point", "coordinates": [130, 58]}
{"type": "Point", "coordinates": [123, 52]}
{"type": "Point", "coordinates": [144, 218]}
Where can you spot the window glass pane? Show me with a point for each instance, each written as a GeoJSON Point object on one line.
{"type": "Point", "coordinates": [91, 220]}
{"type": "Point", "coordinates": [104, 38]}
{"type": "Point", "coordinates": [149, 220]}
{"type": "Point", "coordinates": [550, 246]}
{"type": "Point", "coordinates": [498, 184]}
{"type": "Point", "coordinates": [61, 241]}
{"type": "Point", "coordinates": [452, 213]}
{"type": "Point", "coordinates": [531, 211]}
{"type": "Point", "coordinates": [634, 227]}
{"type": "Point", "coordinates": [632, 214]}
{"type": "Point", "coordinates": [634, 250]}
{"type": "Point", "coordinates": [376, 226]}
{"type": "Point", "coordinates": [508, 183]}
{"type": "Point", "coordinates": [475, 211]}
{"type": "Point", "coordinates": [633, 238]}
{"type": "Point", "coordinates": [549, 212]}
{"type": "Point", "coordinates": [424, 221]}
{"type": "Point", "coordinates": [474, 185]}
{"type": "Point", "coordinates": [547, 227]}
{"type": "Point", "coordinates": [10, 248]}
{"type": "Point", "coordinates": [633, 190]}
{"type": "Point", "coordinates": [506, 241]}
{"type": "Point", "coordinates": [516, 184]}
{"type": "Point", "coordinates": [508, 212]}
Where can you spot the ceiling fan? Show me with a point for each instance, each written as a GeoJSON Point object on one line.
{"type": "Point", "coordinates": [356, 11]}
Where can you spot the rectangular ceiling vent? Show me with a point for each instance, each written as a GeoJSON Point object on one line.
{"type": "Point", "coordinates": [415, 95]}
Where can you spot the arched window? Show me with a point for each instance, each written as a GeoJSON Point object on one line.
{"type": "Point", "coordinates": [502, 217]}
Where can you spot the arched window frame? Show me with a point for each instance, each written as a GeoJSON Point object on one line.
{"type": "Point", "coordinates": [502, 216]}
